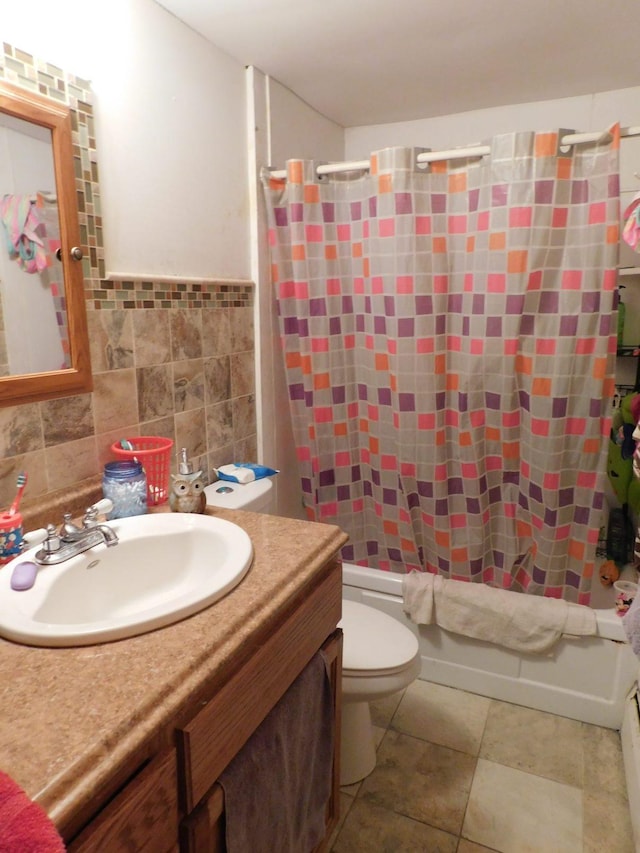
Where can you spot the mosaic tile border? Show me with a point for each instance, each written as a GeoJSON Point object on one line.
{"type": "Point", "coordinates": [126, 293]}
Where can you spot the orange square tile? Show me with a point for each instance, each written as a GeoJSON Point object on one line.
{"type": "Point", "coordinates": [546, 144]}
{"type": "Point", "coordinates": [385, 183]}
{"type": "Point", "coordinates": [511, 449]}
{"type": "Point", "coordinates": [311, 193]}
{"type": "Point", "coordinates": [541, 387]}
{"type": "Point", "coordinates": [497, 240]}
{"type": "Point", "coordinates": [442, 538]}
{"type": "Point", "coordinates": [458, 182]}
{"type": "Point", "coordinates": [524, 364]}
{"type": "Point", "coordinates": [563, 168]}
{"type": "Point", "coordinates": [517, 261]}
{"type": "Point", "coordinates": [294, 171]}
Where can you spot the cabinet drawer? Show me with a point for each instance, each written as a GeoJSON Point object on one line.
{"type": "Point", "coordinates": [143, 816]}
{"type": "Point", "coordinates": [209, 742]}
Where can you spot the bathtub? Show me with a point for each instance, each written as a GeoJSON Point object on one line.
{"type": "Point", "coordinates": [586, 679]}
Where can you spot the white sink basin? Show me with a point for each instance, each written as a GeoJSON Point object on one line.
{"type": "Point", "coordinates": [167, 566]}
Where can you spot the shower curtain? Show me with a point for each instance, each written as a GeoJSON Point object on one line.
{"type": "Point", "coordinates": [449, 345]}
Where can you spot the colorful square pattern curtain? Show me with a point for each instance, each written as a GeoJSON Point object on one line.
{"type": "Point", "coordinates": [449, 344]}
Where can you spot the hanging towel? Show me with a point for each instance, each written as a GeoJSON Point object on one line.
{"type": "Point", "coordinates": [523, 623]}
{"type": "Point", "coordinates": [278, 786]}
{"type": "Point", "coordinates": [24, 825]}
{"type": "Point", "coordinates": [24, 232]}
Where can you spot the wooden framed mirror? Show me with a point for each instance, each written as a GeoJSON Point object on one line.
{"type": "Point", "coordinates": [41, 277]}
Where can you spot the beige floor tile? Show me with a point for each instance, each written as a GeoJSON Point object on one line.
{"type": "Point", "coordinates": [607, 823]}
{"type": "Point", "coordinates": [345, 805]}
{"type": "Point", "coordinates": [369, 828]}
{"type": "Point", "coordinates": [378, 735]}
{"type": "Point", "coordinates": [518, 812]}
{"type": "Point", "coordinates": [351, 790]}
{"type": "Point", "coordinates": [465, 846]}
{"type": "Point", "coordinates": [383, 710]}
{"type": "Point", "coordinates": [421, 780]}
{"type": "Point", "coordinates": [535, 742]}
{"type": "Point", "coordinates": [603, 763]}
{"type": "Point", "coordinates": [442, 715]}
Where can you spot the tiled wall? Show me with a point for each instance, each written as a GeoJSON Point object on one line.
{"type": "Point", "coordinates": [168, 358]}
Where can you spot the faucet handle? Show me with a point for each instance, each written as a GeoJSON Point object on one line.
{"type": "Point", "coordinates": [91, 514]}
{"type": "Point", "coordinates": [52, 543]}
{"type": "Point", "coordinates": [102, 507]}
{"type": "Point", "coordinates": [34, 537]}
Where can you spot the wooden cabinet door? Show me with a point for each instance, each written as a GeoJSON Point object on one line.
{"type": "Point", "coordinates": [142, 817]}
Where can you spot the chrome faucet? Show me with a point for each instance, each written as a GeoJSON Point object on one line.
{"type": "Point", "coordinates": [71, 540]}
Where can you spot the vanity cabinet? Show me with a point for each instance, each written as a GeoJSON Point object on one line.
{"type": "Point", "coordinates": [143, 816]}
{"type": "Point", "coordinates": [202, 831]}
{"type": "Point", "coordinates": [174, 802]}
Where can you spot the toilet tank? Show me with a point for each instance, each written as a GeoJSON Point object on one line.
{"type": "Point", "coordinates": [257, 496]}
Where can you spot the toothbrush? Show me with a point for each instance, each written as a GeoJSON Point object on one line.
{"type": "Point", "coordinates": [21, 482]}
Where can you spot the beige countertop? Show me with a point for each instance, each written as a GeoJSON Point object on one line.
{"type": "Point", "coordinates": [72, 718]}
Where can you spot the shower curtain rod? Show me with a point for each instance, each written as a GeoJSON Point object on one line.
{"type": "Point", "coordinates": [460, 153]}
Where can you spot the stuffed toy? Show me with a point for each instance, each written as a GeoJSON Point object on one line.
{"type": "Point", "coordinates": [609, 573]}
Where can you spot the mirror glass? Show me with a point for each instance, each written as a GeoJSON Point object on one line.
{"type": "Point", "coordinates": [31, 276]}
{"type": "Point", "coordinates": [44, 348]}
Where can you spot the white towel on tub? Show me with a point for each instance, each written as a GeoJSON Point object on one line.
{"type": "Point", "coordinates": [523, 623]}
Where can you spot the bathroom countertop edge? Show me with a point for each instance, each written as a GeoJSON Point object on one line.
{"type": "Point", "coordinates": [74, 718]}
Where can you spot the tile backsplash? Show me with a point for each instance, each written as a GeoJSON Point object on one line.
{"type": "Point", "coordinates": [168, 358]}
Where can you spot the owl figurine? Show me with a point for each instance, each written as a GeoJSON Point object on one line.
{"type": "Point", "coordinates": [187, 493]}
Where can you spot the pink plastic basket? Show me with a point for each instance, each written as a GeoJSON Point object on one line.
{"type": "Point", "coordinates": [154, 454]}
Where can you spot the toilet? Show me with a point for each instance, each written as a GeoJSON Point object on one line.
{"type": "Point", "coordinates": [380, 655]}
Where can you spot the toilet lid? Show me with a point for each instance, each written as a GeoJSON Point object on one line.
{"type": "Point", "coordinates": [374, 641]}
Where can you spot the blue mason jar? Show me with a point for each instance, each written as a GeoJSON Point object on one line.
{"type": "Point", "coordinates": [125, 484]}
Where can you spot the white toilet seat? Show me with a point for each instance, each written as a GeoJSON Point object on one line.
{"type": "Point", "coordinates": [375, 644]}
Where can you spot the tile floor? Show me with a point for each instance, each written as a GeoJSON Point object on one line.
{"type": "Point", "coordinates": [459, 773]}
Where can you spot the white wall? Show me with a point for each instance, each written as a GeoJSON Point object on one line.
{"type": "Point", "coordinates": [170, 115]}
{"type": "Point", "coordinates": [296, 130]}
{"type": "Point", "coordinates": [284, 127]}
{"type": "Point", "coordinates": [588, 112]}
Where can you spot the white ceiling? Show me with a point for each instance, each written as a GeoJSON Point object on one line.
{"type": "Point", "coordinates": [363, 62]}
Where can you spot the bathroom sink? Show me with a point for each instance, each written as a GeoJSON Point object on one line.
{"type": "Point", "coordinates": [166, 566]}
